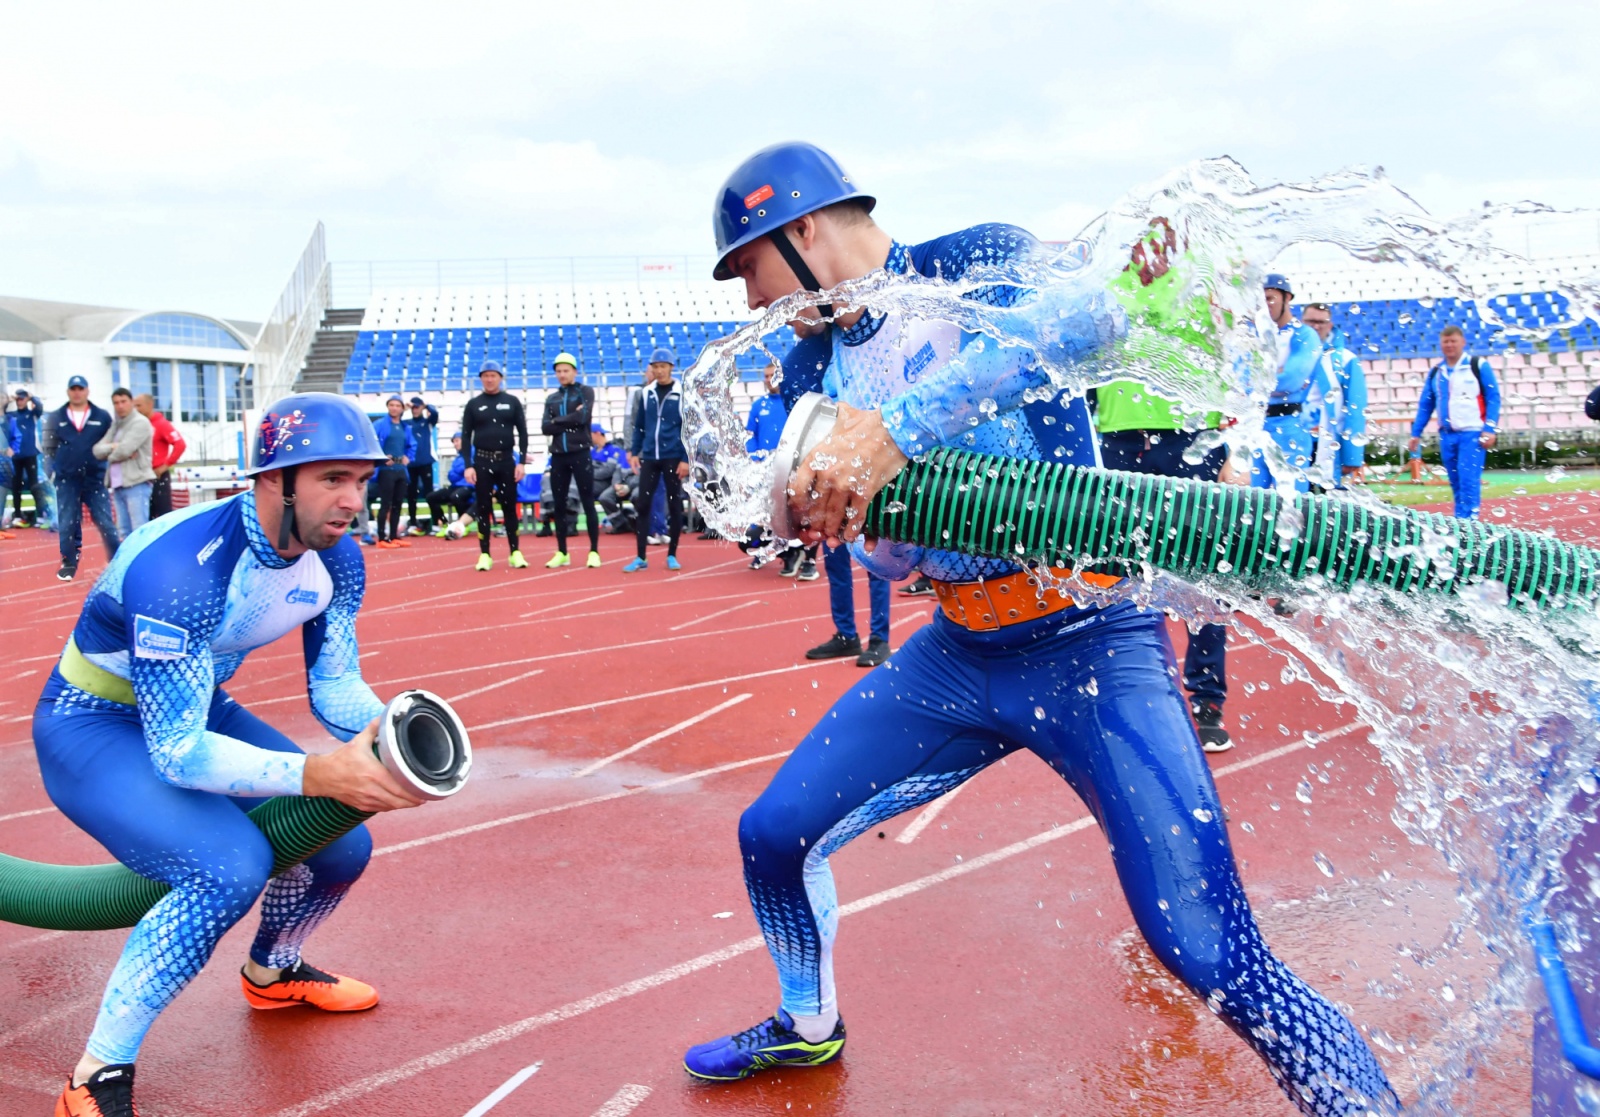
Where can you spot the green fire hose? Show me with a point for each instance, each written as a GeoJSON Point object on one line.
{"type": "Point", "coordinates": [1006, 508]}
{"type": "Point", "coordinates": [421, 741]}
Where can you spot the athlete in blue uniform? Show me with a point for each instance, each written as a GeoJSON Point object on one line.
{"type": "Point", "coordinates": [1340, 420]}
{"type": "Point", "coordinates": [1466, 394]}
{"type": "Point", "coordinates": [1002, 668]}
{"type": "Point", "coordinates": [140, 747]}
{"type": "Point", "coordinates": [1300, 377]}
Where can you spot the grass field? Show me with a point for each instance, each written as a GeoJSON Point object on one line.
{"type": "Point", "coordinates": [1496, 484]}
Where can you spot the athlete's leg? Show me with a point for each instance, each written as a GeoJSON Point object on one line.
{"type": "Point", "coordinates": [878, 601]}
{"type": "Point", "coordinates": [296, 902]}
{"type": "Point", "coordinates": [906, 734]}
{"type": "Point", "coordinates": [97, 770]}
{"type": "Point", "coordinates": [1469, 467]}
{"type": "Point", "coordinates": [583, 470]}
{"type": "Point", "coordinates": [1450, 459]}
{"type": "Point", "coordinates": [644, 498]}
{"type": "Point", "coordinates": [841, 589]}
{"type": "Point", "coordinates": [674, 486]}
{"type": "Point", "coordinates": [485, 502]}
{"type": "Point", "coordinates": [506, 482]}
{"type": "Point", "coordinates": [1119, 732]}
{"type": "Point", "coordinates": [560, 484]}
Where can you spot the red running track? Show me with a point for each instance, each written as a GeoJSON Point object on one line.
{"type": "Point", "coordinates": [582, 912]}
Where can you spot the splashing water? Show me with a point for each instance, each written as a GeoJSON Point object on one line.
{"type": "Point", "coordinates": [1487, 719]}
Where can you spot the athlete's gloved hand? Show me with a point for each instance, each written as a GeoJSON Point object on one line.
{"type": "Point", "coordinates": [834, 484]}
{"type": "Point", "coordinates": [355, 776]}
{"type": "Point", "coordinates": [891, 561]}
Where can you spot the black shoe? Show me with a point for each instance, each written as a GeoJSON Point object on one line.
{"type": "Point", "coordinates": [708, 535]}
{"type": "Point", "coordinates": [1208, 721]}
{"type": "Point", "coordinates": [108, 1092]}
{"type": "Point", "coordinates": [922, 587]}
{"type": "Point", "coordinates": [791, 563]}
{"type": "Point", "coordinates": [837, 647]}
{"type": "Point", "coordinates": [877, 651]}
{"type": "Point", "coordinates": [808, 571]}
{"type": "Point", "coordinates": [67, 572]}
{"type": "Point", "coordinates": [757, 563]}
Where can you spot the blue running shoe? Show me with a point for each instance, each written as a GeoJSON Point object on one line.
{"type": "Point", "coordinates": [673, 563]}
{"type": "Point", "coordinates": [635, 564]}
{"type": "Point", "coordinates": [771, 1043]}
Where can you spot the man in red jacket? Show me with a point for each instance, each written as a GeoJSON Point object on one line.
{"type": "Point", "coordinates": [166, 448]}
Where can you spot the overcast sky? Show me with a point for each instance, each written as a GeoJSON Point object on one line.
{"type": "Point", "coordinates": [177, 155]}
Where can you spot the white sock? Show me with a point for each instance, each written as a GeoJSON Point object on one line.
{"type": "Point", "coordinates": [815, 1029]}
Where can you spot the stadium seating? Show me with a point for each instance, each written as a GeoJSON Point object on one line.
{"type": "Point", "coordinates": [1410, 327]}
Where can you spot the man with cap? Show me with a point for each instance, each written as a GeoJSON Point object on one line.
{"type": "Point", "coordinates": [73, 429]}
{"type": "Point", "coordinates": [139, 747]}
{"type": "Point", "coordinates": [423, 422]}
{"type": "Point", "coordinates": [1300, 376]}
{"type": "Point", "coordinates": [659, 456]}
{"type": "Point", "coordinates": [568, 422]}
{"type": "Point", "coordinates": [28, 414]}
{"type": "Point", "coordinates": [494, 439]}
{"type": "Point", "coordinates": [394, 435]}
{"type": "Point", "coordinates": [1009, 663]}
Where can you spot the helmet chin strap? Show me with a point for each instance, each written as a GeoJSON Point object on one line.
{"type": "Point", "coordinates": [791, 255]}
{"type": "Point", "coordinates": [286, 522]}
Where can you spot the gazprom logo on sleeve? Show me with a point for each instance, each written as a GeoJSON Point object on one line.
{"type": "Point", "coordinates": [153, 639]}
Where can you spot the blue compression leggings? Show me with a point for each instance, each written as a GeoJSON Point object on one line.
{"type": "Point", "coordinates": [97, 770]}
{"type": "Point", "coordinates": [1115, 727]}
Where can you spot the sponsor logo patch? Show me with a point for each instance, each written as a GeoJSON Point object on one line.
{"type": "Point", "coordinates": [919, 361]}
{"type": "Point", "coordinates": [153, 639]}
{"type": "Point", "coordinates": [756, 197]}
{"type": "Point", "coordinates": [208, 550]}
{"type": "Point", "coordinates": [298, 596]}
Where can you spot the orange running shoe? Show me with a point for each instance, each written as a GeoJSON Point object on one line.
{"type": "Point", "coordinates": [385, 545]}
{"type": "Point", "coordinates": [108, 1093]}
{"type": "Point", "coordinates": [398, 542]}
{"type": "Point", "coordinates": [306, 985]}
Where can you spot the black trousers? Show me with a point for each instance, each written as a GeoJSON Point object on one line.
{"type": "Point", "coordinates": [497, 480]}
{"type": "Point", "coordinates": [563, 468]}
{"type": "Point", "coordinates": [420, 484]}
{"type": "Point", "coordinates": [391, 498]}
{"type": "Point", "coordinates": [25, 475]}
{"type": "Point", "coordinates": [458, 497]}
{"type": "Point", "coordinates": [161, 495]}
{"type": "Point", "coordinates": [651, 472]}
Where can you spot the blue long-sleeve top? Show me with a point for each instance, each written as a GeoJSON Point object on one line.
{"type": "Point", "coordinates": [458, 470]}
{"type": "Point", "coordinates": [422, 432]}
{"type": "Point", "coordinates": [74, 446]}
{"type": "Point", "coordinates": [186, 598]}
{"type": "Point", "coordinates": [1344, 368]}
{"type": "Point", "coordinates": [1466, 396]}
{"type": "Point", "coordinates": [27, 416]}
{"type": "Point", "coordinates": [764, 425]}
{"type": "Point", "coordinates": [658, 431]}
{"type": "Point", "coordinates": [1300, 351]}
{"type": "Point", "coordinates": [397, 441]}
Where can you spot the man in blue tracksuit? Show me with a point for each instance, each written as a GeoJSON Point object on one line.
{"type": "Point", "coordinates": [1299, 377]}
{"type": "Point", "coordinates": [763, 430]}
{"type": "Point", "coordinates": [27, 416]}
{"type": "Point", "coordinates": [1342, 431]}
{"type": "Point", "coordinates": [1466, 394]}
{"type": "Point", "coordinates": [80, 477]}
{"type": "Point", "coordinates": [423, 422]}
{"type": "Point", "coordinates": [455, 493]}
{"type": "Point", "coordinates": [1006, 664]}
{"type": "Point", "coordinates": [659, 456]}
{"type": "Point", "coordinates": [394, 435]}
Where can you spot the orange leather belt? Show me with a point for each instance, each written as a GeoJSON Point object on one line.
{"type": "Point", "coordinates": [985, 606]}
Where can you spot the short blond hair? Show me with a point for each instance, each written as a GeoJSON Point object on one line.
{"type": "Point", "coordinates": [1449, 331]}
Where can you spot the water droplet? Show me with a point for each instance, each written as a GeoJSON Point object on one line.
{"type": "Point", "coordinates": [1093, 685]}
{"type": "Point", "coordinates": [1302, 790]}
{"type": "Point", "coordinates": [1447, 992]}
{"type": "Point", "coordinates": [1247, 828]}
{"type": "Point", "coordinates": [1038, 712]}
{"type": "Point", "coordinates": [1202, 815]}
{"type": "Point", "coordinates": [1275, 805]}
{"type": "Point", "coordinates": [1323, 863]}
{"type": "Point", "coordinates": [1162, 904]}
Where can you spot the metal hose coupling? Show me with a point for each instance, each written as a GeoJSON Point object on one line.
{"type": "Point", "coordinates": [424, 744]}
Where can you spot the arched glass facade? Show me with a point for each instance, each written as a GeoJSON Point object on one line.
{"type": "Point", "coordinates": [178, 329]}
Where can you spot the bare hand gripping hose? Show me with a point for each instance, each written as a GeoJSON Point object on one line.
{"type": "Point", "coordinates": [420, 740]}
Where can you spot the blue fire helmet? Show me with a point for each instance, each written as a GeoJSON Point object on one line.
{"type": "Point", "coordinates": [491, 366]}
{"type": "Point", "coordinates": [774, 186]}
{"type": "Point", "coordinates": [313, 427]}
{"type": "Point", "coordinates": [663, 357]}
{"type": "Point", "coordinates": [1277, 282]}
{"type": "Point", "coordinates": [599, 428]}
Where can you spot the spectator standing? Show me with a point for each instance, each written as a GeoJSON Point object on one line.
{"type": "Point", "coordinates": [8, 448]}
{"type": "Point", "coordinates": [494, 438]}
{"type": "Point", "coordinates": [1466, 395]}
{"type": "Point", "coordinates": [423, 422]}
{"type": "Point", "coordinates": [658, 505]}
{"type": "Point", "coordinates": [1299, 376]}
{"type": "Point", "coordinates": [126, 450]}
{"type": "Point", "coordinates": [764, 429]}
{"type": "Point", "coordinates": [394, 435]}
{"type": "Point", "coordinates": [659, 455]}
{"type": "Point", "coordinates": [455, 493]}
{"type": "Point", "coordinates": [28, 415]}
{"type": "Point", "coordinates": [167, 446]}
{"type": "Point", "coordinates": [568, 423]}
{"type": "Point", "coordinates": [72, 430]}
{"type": "Point", "coordinates": [602, 450]}
{"type": "Point", "coordinates": [1341, 442]}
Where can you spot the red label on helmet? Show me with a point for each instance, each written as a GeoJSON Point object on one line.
{"type": "Point", "coordinates": [756, 197]}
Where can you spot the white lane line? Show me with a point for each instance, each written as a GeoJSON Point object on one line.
{"type": "Point", "coordinates": [623, 1102]}
{"type": "Point", "coordinates": [44, 1020]}
{"type": "Point", "coordinates": [624, 793]}
{"type": "Point", "coordinates": [659, 693]}
{"type": "Point", "coordinates": [654, 737]}
{"type": "Point", "coordinates": [495, 686]}
{"type": "Point", "coordinates": [567, 604]}
{"type": "Point", "coordinates": [913, 617]}
{"type": "Point", "coordinates": [714, 616]}
{"type": "Point", "coordinates": [501, 1091]}
{"type": "Point", "coordinates": [928, 814]}
{"type": "Point", "coordinates": [26, 814]}
{"type": "Point", "coordinates": [708, 569]}
{"type": "Point", "coordinates": [48, 936]}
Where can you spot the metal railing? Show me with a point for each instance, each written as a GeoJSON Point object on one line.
{"type": "Point", "coordinates": [288, 332]}
{"type": "Point", "coordinates": [354, 281]}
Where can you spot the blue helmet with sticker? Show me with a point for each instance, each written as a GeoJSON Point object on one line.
{"type": "Point", "coordinates": [313, 427]}
{"type": "Point", "coordinates": [1276, 281]}
{"type": "Point", "coordinates": [774, 186]}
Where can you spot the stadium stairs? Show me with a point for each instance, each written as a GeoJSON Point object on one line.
{"type": "Point", "coordinates": [329, 357]}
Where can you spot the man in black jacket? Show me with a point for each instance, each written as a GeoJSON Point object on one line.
{"type": "Point", "coordinates": [72, 430]}
{"type": "Point", "coordinates": [567, 414]}
{"type": "Point", "coordinates": [494, 438]}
